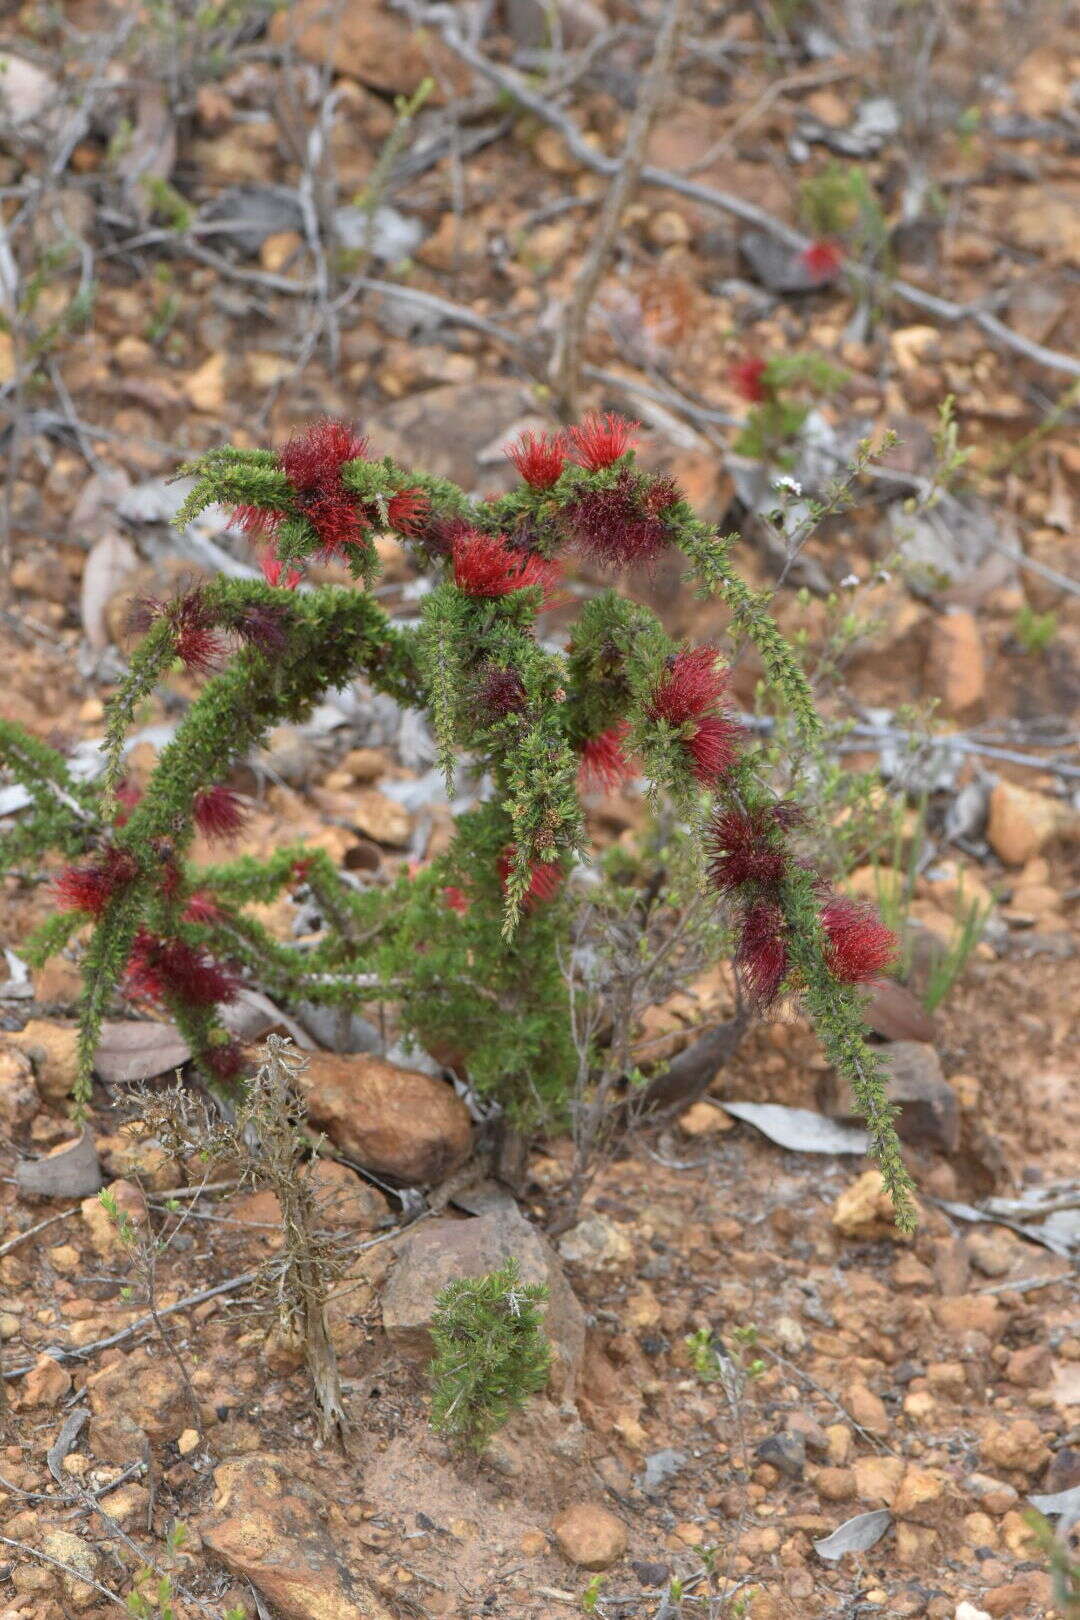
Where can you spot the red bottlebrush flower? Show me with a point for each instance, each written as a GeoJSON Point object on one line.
{"type": "Point", "coordinates": [201, 909]}
{"type": "Point", "coordinates": [748, 379]}
{"type": "Point", "coordinates": [692, 685]}
{"type": "Point", "coordinates": [161, 969]}
{"type": "Point", "coordinates": [257, 522]}
{"type": "Point", "coordinates": [600, 440]}
{"type": "Point", "coordinates": [822, 259]}
{"type": "Point", "coordinates": [195, 638]}
{"type": "Point", "coordinates": [761, 955]}
{"type": "Point", "coordinates": [128, 795]}
{"type": "Point", "coordinates": [225, 1061]}
{"type": "Point", "coordinates": [455, 899]}
{"type": "Point", "coordinates": [622, 526]}
{"type": "Point", "coordinates": [485, 565]}
{"type": "Point", "coordinates": [90, 888]}
{"type": "Point", "coordinates": [712, 746]}
{"type": "Point", "coordinates": [499, 691]}
{"type": "Point", "coordinates": [407, 511]}
{"type": "Point", "coordinates": [301, 869]}
{"type": "Point", "coordinates": [604, 764]}
{"type": "Point", "coordinates": [539, 460]}
{"type": "Point", "coordinates": [276, 572]}
{"type": "Point", "coordinates": [744, 848]}
{"type": "Point", "coordinates": [337, 521]}
{"type": "Point", "coordinates": [218, 812]}
{"type": "Point", "coordinates": [859, 947]}
{"type": "Point", "coordinates": [312, 461]}
{"type": "Point", "coordinates": [546, 878]}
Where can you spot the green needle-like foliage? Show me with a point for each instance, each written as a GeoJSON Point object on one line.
{"type": "Point", "coordinates": [490, 1353]}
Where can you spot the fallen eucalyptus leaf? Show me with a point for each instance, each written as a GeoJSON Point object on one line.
{"type": "Point", "coordinates": [72, 1172]}
{"type": "Point", "coordinates": [130, 1051]}
{"type": "Point", "coordinates": [111, 560]}
{"type": "Point", "coordinates": [855, 1535]}
{"type": "Point", "coordinates": [799, 1130]}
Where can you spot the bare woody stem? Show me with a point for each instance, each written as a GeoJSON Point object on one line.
{"type": "Point", "coordinates": [566, 365]}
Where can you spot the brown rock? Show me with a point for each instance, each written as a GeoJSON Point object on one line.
{"type": "Point", "coordinates": [130, 1157]}
{"type": "Point", "coordinates": [440, 1251]}
{"type": "Point", "coordinates": [53, 1050]}
{"type": "Point", "coordinates": [47, 1382]}
{"type": "Point", "coordinates": [139, 1397]}
{"type": "Point", "coordinates": [343, 1198]}
{"type": "Point", "coordinates": [455, 242]}
{"type": "Point", "coordinates": [955, 666]}
{"type": "Point", "coordinates": [370, 43]}
{"type": "Point", "coordinates": [836, 1484]}
{"type": "Point", "coordinates": [104, 1231]}
{"type": "Point", "coordinates": [19, 1099]}
{"type": "Point", "coordinates": [268, 1528]}
{"type": "Point", "coordinates": [867, 1409]}
{"type": "Point", "coordinates": [926, 1496]}
{"type": "Point", "coordinates": [78, 1555]}
{"type": "Point", "coordinates": [878, 1479]}
{"type": "Point", "coordinates": [381, 818]}
{"type": "Point", "coordinates": [1022, 823]}
{"type": "Point", "coordinates": [1031, 1368]}
{"type": "Point", "coordinates": [705, 1119]}
{"type": "Point", "coordinates": [395, 1122]}
{"type": "Point", "coordinates": [1019, 1446]}
{"type": "Point", "coordinates": [916, 1546]}
{"type": "Point", "coordinates": [864, 1210]}
{"type": "Point", "coordinates": [929, 1112]}
{"type": "Point", "coordinates": [993, 1495]}
{"type": "Point", "coordinates": [590, 1536]}
{"type": "Point", "coordinates": [970, 1313]}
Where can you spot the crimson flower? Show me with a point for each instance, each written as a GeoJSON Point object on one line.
{"type": "Point", "coordinates": [623, 525]}
{"type": "Point", "coordinates": [748, 379]}
{"type": "Point", "coordinates": [225, 1060]}
{"type": "Point", "coordinates": [193, 624]}
{"type": "Point", "coordinates": [600, 440]}
{"type": "Point", "coordinates": [822, 259]}
{"type": "Point", "coordinates": [546, 878]}
{"type": "Point", "coordinates": [261, 627]}
{"type": "Point", "coordinates": [407, 510]}
{"type": "Point", "coordinates": [539, 460]}
{"type": "Point", "coordinates": [455, 899]}
{"type": "Point", "coordinates": [201, 908]}
{"type": "Point", "coordinates": [858, 945]}
{"type": "Point", "coordinates": [744, 848]}
{"type": "Point", "coordinates": [485, 565]}
{"type": "Point", "coordinates": [127, 796]}
{"type": "Point", "coordinates": [218, 812]}
{"type": "Point", "coordinates": [90, 888]}
{"type": "Point", "coordinates": [312, 462]}
{"type": "Point", "coordinates": [761, 955]}
{"type": "Point", "coordinates": [688, 699]}
{"type": "Point", "coordinates": [275, 572]}
{"type": "Point", "coordinates": [500, 691]}
{"type": "Point", "coordinates": [160, 969]}
{"type": "Point", "coordinates": [604, 764]}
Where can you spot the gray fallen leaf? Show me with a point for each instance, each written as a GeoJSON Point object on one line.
{"type": "Point", "coordinates": [17, 987]}
{"type": "Point", "coordinates": [73, 1173]}
{"type": "Point", "coordinates": [1063, 1505]}
{"type": "Point", "coordinates": [660, 1466]}
{"type": "Point", "coordinates": [865, 1530]}
{"type": "Point", "coordinates": [251, 1015]}
{"type": "Point", "coordinates": [390, 235]}
{"type": "Point", "coordinates": [26, 90]}
{"type": "Point", "coordinates": [131, 1050]}
{"type": "Point", "coordinates": [110, 562]}
{"type": "Point", "coordinates": [800, 1130]}
{"type": "Point", "coordinates": [249, 214]}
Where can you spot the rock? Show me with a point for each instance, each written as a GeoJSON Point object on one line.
{"type": "Point", "coordinates": [128, 1156]}
{"type": "Point", "coordinates": [1019, 1446]}
{"type": "Point", "coordinates": [528, 22]}
{"type": "Point", "coordinates": [836, 1484]}
{"type": "Point", "coordinates": [440, 1251]}
{"type": "Point", "coordinates": [955, 666]}
{"type": "Point", "coordinates": [1031, 1368]}
{"type": "Point", "coordinates": [926, 1496]}
{"type": "Point", "coordinates": [786, 1452]}
{"type": "Point", "coordinates": [368, 42]}
{"type": "Point", "coordinates": [53, 1051]}
{"type": "Point", "coordinates": [704, 1119]}
{"type": "Point", "coordinates": [343, 1198]}
{"type": "Point", "coordinates": [46, 1383]}
{"type": "Point", "coordinates": [968, 1611]}
{"type": "Point", "coordinates": [137, 1398]}
{"type": "Point", "coordinates": [864, 1210]}
{"type": "Point", "coordinates": [377, 816]}
{"type": "Point", "coordinates": [455, 424]}
{"type": "Point", "coordinates": [77, 1554]}
{"type": "Point", "coordinates": [660, 1466]}
{"type": "Point", "coordinates": [598, 1244]}
{"type": "Point", "coordinates": [994, 1495]}
{"type": "Point", "coordinates": [590, 1536]}
{"type": "Point", "coordinates": [878, 1479]}
{"type": "Point", "coordinates": [1063, 1473]}
{"type": "Point", "coordinates": [395, 1122]}
{"type": "Point", "coordinates": [970, 1313]}
{"type": "Point", "coordinates": [104, 1231]}
{"type": "Point", "coordinates": [929, 1111]}
{"type": "Point", "coordinates": [867, 1409]}
{"type": "Point", "coordinates": [19, 1099]}
{"type": "Point", "coordinates": [815, 1439]}
{"type": "Point", "coordinates": [268, 1528]}
{"type": "Point", "coordinates": [789, 1334]}
{"type": "Point", "coordinates": [992, 1253]}
{"type": "Point", "coordinates": [205, 386]}
{"type": "Point", "coordinates": [1022, 823]}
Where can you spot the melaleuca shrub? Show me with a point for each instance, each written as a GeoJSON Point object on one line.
{"type": "Point", "coordinates": [471, 950]}
{"type": "Point", "coordinates": [491, 1352]}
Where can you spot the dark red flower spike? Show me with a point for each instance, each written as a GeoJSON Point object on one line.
{"type": "Point", "coordinates": [225, 1060]}
{"type": "Point", "coordinates": [822, 260]}
{"type": "Point", "coordinates": [159, 969]}
{"type": "Point", "coordinates": [455, 899]}
{"type": "Point", "coordinates": [692, 684]}
{"type": "Point", "coordinates": [859, 947]}
{"type": "Point", "coordinates": [218, 812]}
{"type": "Point", "coordinates": [748, 379]}
{"type": "Point", "coordinates": [90, 888]}
{"type": "Point", "coordinates": [201, 908]}
{"type": "Point", "coordinates": [605, 766]}
{"type": "Point", "coordinates": [598, 441]}
{"type": "Point", "coordinates": [407, 511]}
{"type": "Point", "coordinates": [499, 691]}
{"type": "Point", "coordinates": [622, 526]}
{"type": "Point", "coordinates": [744, 848]}
{"type": "Point", "coordinates": [546, 878]}
{"type": "Point", "coordinates": [761, 955]}
{"type": "Point", "coordinates": [278, 573]}
{"type": "Point", "coordinates": [539, 459]}
{"type": "Point", "coordinates": [713, 747]}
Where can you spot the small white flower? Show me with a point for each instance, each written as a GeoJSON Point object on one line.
{"type": "Point", "coordinates": [883, 576]}
{"type": "Point", "coordinates": [849, 582]}
{"type": "Point", "coordinates": [790, 486]}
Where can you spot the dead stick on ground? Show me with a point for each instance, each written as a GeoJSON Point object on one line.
{"type": "Point", "coordinates": [566, 367]}
{"type": "Point", "coordinates": [943, 309]}
{"type": "Point", "coordinates": [65, 1569]}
